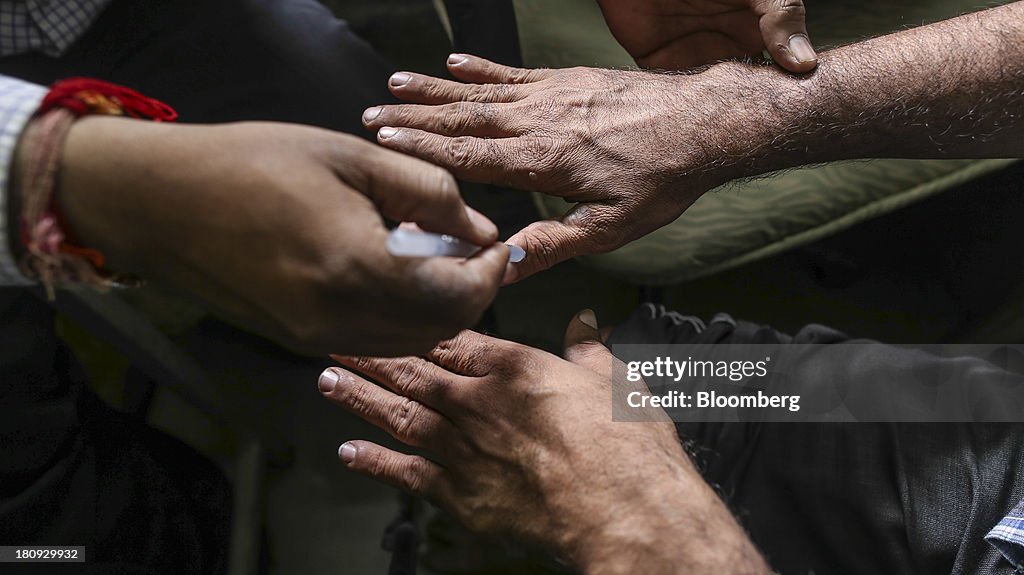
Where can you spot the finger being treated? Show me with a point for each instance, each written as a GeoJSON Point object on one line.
{"type": "Point", "coordinates": [547, 243]}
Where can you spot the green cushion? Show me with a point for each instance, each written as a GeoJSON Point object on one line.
{"type": "Point", "coordinates": [744, 221]}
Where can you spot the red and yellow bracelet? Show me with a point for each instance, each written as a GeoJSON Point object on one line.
{"type": "Point", "coordinates": [50, 256]}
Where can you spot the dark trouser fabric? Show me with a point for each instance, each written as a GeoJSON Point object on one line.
{"type": "Point", "coordinates": [863, 498]}
{"type": "Point", "coordinates": [73, 472]}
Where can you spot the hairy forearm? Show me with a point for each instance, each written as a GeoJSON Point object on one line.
{"type": "Point", "coordinates": [675, 524]}
{"type": "Point", "coordinates": [954, 89]}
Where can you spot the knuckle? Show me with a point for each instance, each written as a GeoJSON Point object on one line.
{"type": "Point", "coordinates": [479, 514]}
{"type": "Point", "coordinates": [545, 247]}
{"type": "Point", "coordinates": [511, 359]}
{"type": "Point", "coordinates": [541, 157]}
{"type": "Point", "coordinates": [413, 477]}
{"type": "Point", "coordinates": [404, 420]}
{"type": "Point", "coordinates": [546, 112]}
{"type": "Point", "coordinates": [462, 152]}
{"type": "Point", "coordinates": [538, 150]}
{"type": "Point", "coordinates": [456, 118]}
{"type": "Point", "coordinates": [465, 357]}
{"type": "Point", "coordinates": [602, 233]}
{"type": "Point", "coordinates": [363, 364]}
{"type": "Point", "coordinates": [791, 7]}
{"type": "Point", "coordinates": [405, 373]}
{"type": "Point", "coordinates": [494, 93]}
{"type": "Point", "coordinates": [518, 75]}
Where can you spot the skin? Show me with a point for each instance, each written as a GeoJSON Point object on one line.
{"type": "Point", "coordinates": [520, 442]}
{"type": "Point", "coordinates": [634, 149]}
{"type": "Point", "coordinates": [679, 34]}
{"type": "Point", "coordinates": [279, 228]}
{"type": "Point", "coordinates": [555, 470]}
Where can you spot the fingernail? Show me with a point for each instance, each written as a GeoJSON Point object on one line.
{"type": "Point", "coordinates": [328, 379]}
{"type": "Point", "coordinates": [456, 59]}
{"type": "Point", "coordinates": [386, 132]}
{"type": "Point", "coordinates": [399, 79]}
{"type": "Point", "coordinates": [347, 452]}
{"type": "Point", "coordinates": [516, 254]}
{"type": "Point", "coordinates": [371, 113]}
{"type": "Point", "coordinates": [588, 318]}
{"type": "Point", "coordinates": [801, 48]}
{"type": "Point", "coordinates": [482, 223]}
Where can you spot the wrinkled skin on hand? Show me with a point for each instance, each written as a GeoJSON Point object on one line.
{"type": "Point", "coordinates": [522, 442]}
{"type": "Point", "coordinates": [632, 149]}
{"type": "Point", "coordinates": [280, 229]}
{"type": "Point", "coordinates": [681, 34]}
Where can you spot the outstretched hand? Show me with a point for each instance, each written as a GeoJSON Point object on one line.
{"type": "Point", "coordinates": [521, 442]}
{"type": "Point", "coordinates": [631, 149]}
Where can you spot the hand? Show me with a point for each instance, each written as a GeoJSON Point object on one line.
{"type": "Point", "coordinates": [633, 149]}
{"type": "Point", "coordinates": [678, 34]}
{"type": "Point", "coordinates": [278, 228]}
{"type": "Point", "coordinates": [524, 444]}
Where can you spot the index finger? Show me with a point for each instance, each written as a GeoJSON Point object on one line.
{"type": "Point", "coordinates": [412, 377]}
{"type": "Point", "coordinates": [525, 162]}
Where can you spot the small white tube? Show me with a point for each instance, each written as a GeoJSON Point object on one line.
{"type": "Point", "coordinates": [418, 244]}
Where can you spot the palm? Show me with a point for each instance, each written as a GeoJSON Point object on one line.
{"type": "Point", "coordinates": [676, 34]}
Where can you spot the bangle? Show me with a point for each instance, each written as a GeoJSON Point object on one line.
{"type": "Point", "coordinates": [50, 256]}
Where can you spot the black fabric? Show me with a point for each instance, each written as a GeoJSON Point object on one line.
{"type": "Point", "coordinates": [485, 28]}
{"type": "Point", "coordinates": [850, 498]}
{"type": "Point", "coordinates": [73, 472]}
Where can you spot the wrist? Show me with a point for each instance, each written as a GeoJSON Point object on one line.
{"type": "Point", "coordinates": [95, 195]}
{"type": "Point", "coordinates": [762, 122]}
{"type": "Point", "coordinates": [672, 524]}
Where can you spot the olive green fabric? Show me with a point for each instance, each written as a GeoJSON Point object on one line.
{"type": "Point", "coordinates": [746, 221]}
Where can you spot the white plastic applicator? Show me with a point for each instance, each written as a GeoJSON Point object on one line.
{"type": "Point", "coordinates": [419, 244]}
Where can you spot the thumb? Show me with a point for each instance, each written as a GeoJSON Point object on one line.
{"type": "Point", "coordinates": [583, 344]}
{"type": "Point", "coordinates": [407, 189]}
{"type": "Point", "coordinates": [784, 31]}
{"type": "Point", "coordinates": [550, 242]}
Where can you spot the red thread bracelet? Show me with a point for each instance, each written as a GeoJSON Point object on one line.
{"type": "Point", "coordinates": [50, 256]}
